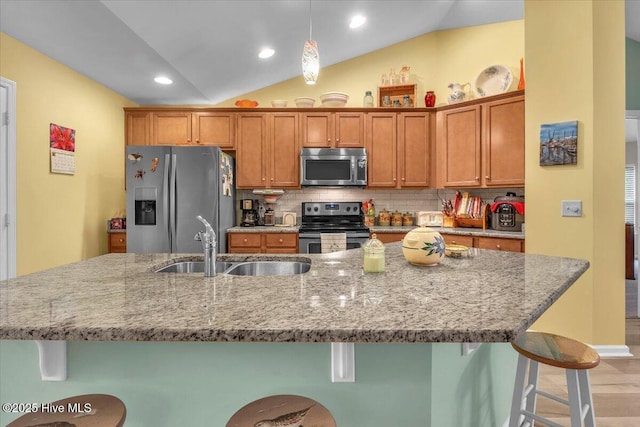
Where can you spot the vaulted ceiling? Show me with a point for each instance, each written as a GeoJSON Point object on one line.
{"type": "Point", "coordinates": [210, 48]}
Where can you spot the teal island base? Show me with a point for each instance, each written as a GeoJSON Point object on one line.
{"type": "Point", "coordinates": [203, 384]}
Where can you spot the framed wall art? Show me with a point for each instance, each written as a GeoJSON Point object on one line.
{"type": "Point", "coordinates": [559, 144]}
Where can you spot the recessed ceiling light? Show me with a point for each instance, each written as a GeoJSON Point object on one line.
{"type": "Point", "coordinates": [267, 52]}
{"type": "Point", "coordinates": [163, 80]}
{"type": "Point", "coordinates": [357, 21]}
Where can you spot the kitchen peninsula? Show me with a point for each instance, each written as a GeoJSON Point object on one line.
{"type": "Point", "coordinates": [490, 297]}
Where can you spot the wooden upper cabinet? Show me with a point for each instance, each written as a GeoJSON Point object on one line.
{"type": "Point", "coordinates": [381, 134]}
{"type": "Point", "coordinates": [284, 150]}
{"type": "Point", "coordinates": [170, 127]}
{"type": "Point", "coordinates": [137, 127]}
{"type": "Point", "coordinates": [503, 127]}
{"type": "Point", "coordinates": [268, 150]}
{"type": "Point", "coordinates": [218, 129]}
{"type": "Point", "coordinates": [180, 127]}
{"type": "Point", "coordinates": [482, 144]}
{"type": "Point", "coordinates": [399, 150]}
{"type": "Point", "coordinates": [333, 130]}
{"type": "Point", "coordinates": [317, 130]}
{"type": "Point", "coordinates": [251, 150]}
{"type": "Point", "coordinates": [415, 156]}
{"type": "Point", "coordinates": [349, 130]}
{"type": "Point", "coordinates": [459, 139]}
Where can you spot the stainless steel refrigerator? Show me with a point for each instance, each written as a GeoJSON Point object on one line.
{"type": "Point", "coordinates": [168, 187]}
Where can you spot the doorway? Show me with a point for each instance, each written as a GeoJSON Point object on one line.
{"type": "Point", "coordinates": [632, 138]}
{"type": "Point", "coordinates": [7, 179]}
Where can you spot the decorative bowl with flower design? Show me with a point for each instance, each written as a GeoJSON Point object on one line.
{"type": "Point", "coordinates": [423, 246]}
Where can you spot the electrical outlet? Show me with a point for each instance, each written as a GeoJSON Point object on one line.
{"type": "Point", "coordinates": [571, 208]}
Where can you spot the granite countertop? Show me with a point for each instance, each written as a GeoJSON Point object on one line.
{"type": "Point", "coordinates": [492, 296]}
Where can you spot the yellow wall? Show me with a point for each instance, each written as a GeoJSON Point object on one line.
{"type": "Point", "coordinates": [435, 60]}
{"type": "Point", "coordinates": [579, 75]}
{"type": "Point", "coordinates": [62, 218]}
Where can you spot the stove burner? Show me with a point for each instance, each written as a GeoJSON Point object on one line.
{"type": "Point", "coordinates": [332, 217]}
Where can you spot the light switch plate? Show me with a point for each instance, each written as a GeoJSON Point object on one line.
{"type": "Point", "coordinates": [571, 208]}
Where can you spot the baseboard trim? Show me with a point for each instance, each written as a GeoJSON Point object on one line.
{"type": "Point", "coordinates": [610, 351]}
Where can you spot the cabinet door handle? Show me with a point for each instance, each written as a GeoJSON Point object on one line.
{"type": "Point", "coordinates": [244, 240]}
{"type": "Point", "coordinates": [498, 246]}
{"type": "Point", "coordinates": [477, 178]}
{"type": "Point", "coordinates": [280, 240]}
{"type": "Point", "coordinates": [121, 240]}
{"type": "Point", "coordinates": [329, 140]}
{"type": "Point", "coordinates": [337, 140]}
{"type": "Point", "coordinates": [264, 179]}
{"type": "Point", "coordinates": [487, 177]}
{"type": "Point", "coordinates": [197, 141]}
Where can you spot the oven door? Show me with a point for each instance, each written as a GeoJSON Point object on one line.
{"type": "Point", "coordinates": [309, 243]}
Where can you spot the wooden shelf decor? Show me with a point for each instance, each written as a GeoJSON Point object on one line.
{"type": "Point", "coordinates": [397, 92]}
{"type": "Point", "coordinates": [474, 222]}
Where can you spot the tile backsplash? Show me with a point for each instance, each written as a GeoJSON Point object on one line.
{"type": "Point", "coordinates": [391, 200]}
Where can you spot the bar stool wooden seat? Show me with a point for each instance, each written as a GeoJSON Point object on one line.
{"type": "Point", "coordinates": [573, 356]}
{"type": "Point", "coordinates": [89, 410]}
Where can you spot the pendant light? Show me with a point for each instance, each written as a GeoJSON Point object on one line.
{"type": "Point", "coordinates": [310, 57]}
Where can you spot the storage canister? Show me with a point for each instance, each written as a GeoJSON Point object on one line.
{"type": "Point", "coordinates": [384, 218]}
{"type": "Point", "coordinates": [407, 219]}
{"type": "Point", "coordinates": [396, 219]}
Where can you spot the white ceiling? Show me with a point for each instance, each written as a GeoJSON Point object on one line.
{"type": "Point", "coordinates": [209, 47]}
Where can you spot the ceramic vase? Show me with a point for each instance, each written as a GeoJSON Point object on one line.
{"type": "Point", "coordinates": [423, 246]}
{"type": "Point", "coordinates": [430, 99]}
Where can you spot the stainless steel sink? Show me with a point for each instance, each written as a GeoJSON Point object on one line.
{"type": "Point", "coordinates": [192, 267]}
{"type": "Point", "coordinates": [269, 268]}
{"type": "Point", "coordinates": [249, 268]}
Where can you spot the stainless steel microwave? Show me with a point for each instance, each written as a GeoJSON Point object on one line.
{"type": "Point", "coordinates": [333, 167]}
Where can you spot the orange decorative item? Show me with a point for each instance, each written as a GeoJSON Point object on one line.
{"type": "Point", "coordinates": [246, 103]}
{"type": "Point", "coordinates": [521, 81]}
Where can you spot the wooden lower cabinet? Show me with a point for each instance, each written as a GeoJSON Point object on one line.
{"type": "Point", "coordinates": [512, 245]}
{"type": "Point", "coordinates": [495, 243]}
{"type": "Point", "coordinates": [117, 242]}
{"type": "Point", "coordinates": [261, 243]}
{"type": "Point", "coordinates": [456, 239]}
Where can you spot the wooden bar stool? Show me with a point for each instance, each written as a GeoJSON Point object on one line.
{"type": "Point", "coordinates": [574, 356]}
{"type": "Point", "coordinates": [89, 410]}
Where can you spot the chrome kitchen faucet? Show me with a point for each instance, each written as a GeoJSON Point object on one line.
{"type": "Point", "coordinates": [208, 239]}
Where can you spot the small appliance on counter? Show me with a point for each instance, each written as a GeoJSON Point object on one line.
{"type": "Point", "coordinates": [429, 218]}
{"type": "Point", "coordinates": [507, 212]}
{"type": "Point", "coordinates": [249, 209]}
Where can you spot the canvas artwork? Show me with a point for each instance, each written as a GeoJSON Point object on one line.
{"type": "Point", "coordinates": [559, 144]}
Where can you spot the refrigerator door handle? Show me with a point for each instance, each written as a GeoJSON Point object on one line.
{"type": "Point", "coordinates": [165, 197]}
{"type": "Point", "coordinates": [172, 201]}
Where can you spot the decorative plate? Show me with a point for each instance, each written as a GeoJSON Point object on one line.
{"type": "Point", "coordinates": [492, 80]}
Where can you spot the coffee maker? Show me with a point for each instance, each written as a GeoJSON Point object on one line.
{"type": "Point", "coordinates": [249, 209]}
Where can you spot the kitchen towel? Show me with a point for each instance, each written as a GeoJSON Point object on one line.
{"type": "Point", "coordinates": [333, 242]}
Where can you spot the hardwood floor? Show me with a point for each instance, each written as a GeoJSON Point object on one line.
{"type": "Point", "coordinates": [615, 385]}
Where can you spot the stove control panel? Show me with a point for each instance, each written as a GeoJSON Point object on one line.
{"type": "Point", "coordinates": [331, 208]}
